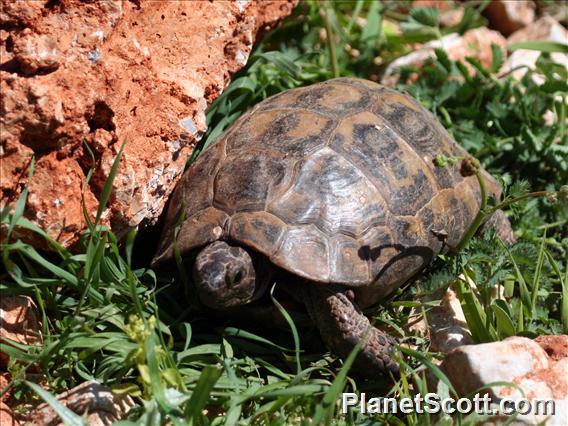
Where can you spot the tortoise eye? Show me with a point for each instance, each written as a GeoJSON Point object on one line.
{"type": "Point", "coordinates": [238, 277]}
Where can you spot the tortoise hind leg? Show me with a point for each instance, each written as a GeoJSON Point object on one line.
{"type": "Point", "coordinates": [342, 325]}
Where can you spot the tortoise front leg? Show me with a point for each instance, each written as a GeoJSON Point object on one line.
{"type": "Point", "coordinates": [342, 325]}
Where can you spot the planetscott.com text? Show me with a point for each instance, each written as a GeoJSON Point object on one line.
{"type": "Point", "coordinates": [432, 403]}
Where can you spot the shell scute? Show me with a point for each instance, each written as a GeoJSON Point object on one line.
{"type": "Point", "coordinates": [290, 134]}
{"type": "Point", "coordinates": [348, 266]}
{"type": "Point", "coordinates": [334, 98]}
{"type": "Point", "coordinates": [203, 227]}
{"type": "Point", "coordinates": [296, 243]}
{"type": "Point", "coordinates": [399, 174]}
{"type": "Point", "coordinates": [260, 230]}
{"type": "Point", "coordinates": [243, 183]}
{"type": "Point", "coordinates": [330, 193]}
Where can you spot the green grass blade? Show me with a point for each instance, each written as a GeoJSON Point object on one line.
{"type": "Point", "coordinates": [523, 288]}
{"type": "Point", "coordinates": [33, 254]}
{"type": "Point", "coordinates": [505, 326]}
{"type": "Point", "coordinates": [298, 391]}
{"type": "Point", "coordinates": [290, 322]}
{"type": "Point", "coordinates": [564, 288]}
{"type": "Point", "coordinates": [541, 46]}
{"type": "Point", "coordinates": [537, 273]}
{"type": "Point", "coordinates": [207, 380]}
{"type": "Point", "coordinates": [18, 211]}
{"type": "Point", "coordinates": [324, 411]}
{"type": "Point", "coordinates": [14, 353]}
{"type": "Point", "coordinates": [439, 374]}
{"type": "Point", "coordinates": [107, 189]}
{"type": "Point", "coordinates": [474, 314]}
{"type": "Point", "coordinates": [237, 332]}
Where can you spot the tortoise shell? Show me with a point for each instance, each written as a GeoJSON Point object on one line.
{"type": "Point", "coordinates": [334, 182]}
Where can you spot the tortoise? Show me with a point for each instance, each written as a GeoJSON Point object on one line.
{"type": "Point", "coordinates": [333, 184]}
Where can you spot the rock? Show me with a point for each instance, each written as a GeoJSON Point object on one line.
{"type": "Point", "coordinates": [509, 16]}
{"type": "Point", "coordinates": [449, 14]}
{"type": "Point", "coordinates": [520, 361]}
{"type": "Point", "coordinates": [441, 5]}
{"type": "Point", "coordinates": [7, 417]}
{"type": "Point", "coordinates": [477, 365]}
{"type": "Point", "coordinates": [547, 383]}
{"type": "Point", "coordinates": [475, 43]}
{"type": "Point", "coordinates": [99, 74]}
{"type": "Point", "coordinates": [103, 407]}
{"type": "Point", "coordinates": [451, 18]}
{"type": "Point", "coordinates": [445, 324]}
{"type": "Point", "coordinates": [18, 323]}
{"type": "Point", "coordinates": [545, 28]}
{"type": "Point", "coordinates": [556, 347]}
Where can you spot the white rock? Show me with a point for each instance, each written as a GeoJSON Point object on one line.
{"type": "Point", "coordinates": [475, 43]}
{"type": "Point", "coordinates": [520, 361]}
{"type": "Point", "coordinates": [546, 28]}
{"type": "Point", "coordinates": [473, 366]}
{"type": "Point", "coordinates": [445, 324]}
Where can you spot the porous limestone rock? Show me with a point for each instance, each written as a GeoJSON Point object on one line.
{"type": "Point", "coordinates": [556, 347]}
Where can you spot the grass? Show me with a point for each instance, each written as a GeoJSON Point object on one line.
{"type": "Point", "coordinates": [107, 317]}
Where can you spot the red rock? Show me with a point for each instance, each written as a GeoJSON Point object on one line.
{"type": "Point", "coordinates": [6, 416]}
{"type": "Point", "coordinates": [508, 16]}
{"type": "Point", "coordinates": [555, 346]}
{"type": "Point", "coordinates": [103, 73]}
{"type": "Point", "coordinates": [5, 379]}
{"type": "Point", "coordinates": [18, 323]}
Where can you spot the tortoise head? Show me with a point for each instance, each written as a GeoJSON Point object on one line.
{"type": "Point", "coordinates": [224, 276]}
